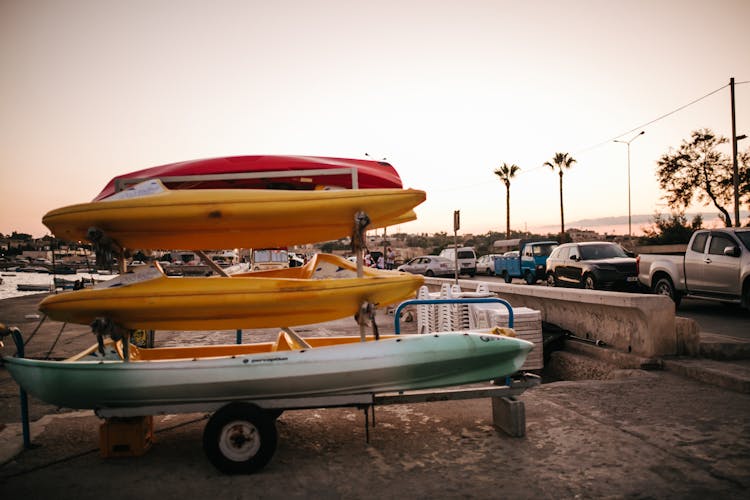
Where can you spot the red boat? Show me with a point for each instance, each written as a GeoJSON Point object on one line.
{"type": "Point", "coordinates": [305, 172]}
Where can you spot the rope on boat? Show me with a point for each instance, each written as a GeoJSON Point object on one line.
{"type": "Point", "coordinates": [35, 330]}
{"type": "Point", "coordinates": [55, 342]}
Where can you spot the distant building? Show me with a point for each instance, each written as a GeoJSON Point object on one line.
{"type": "Point", "coordinates": [577, 235]}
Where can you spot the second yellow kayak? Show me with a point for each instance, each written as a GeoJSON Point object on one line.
{"type": "Point", "coordinates": [205, 219]}
{"type": "Point", "coordinates": [324, 290]}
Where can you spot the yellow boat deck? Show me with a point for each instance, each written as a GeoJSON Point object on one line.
{"type": "Point", "coordinates": [284, 342]}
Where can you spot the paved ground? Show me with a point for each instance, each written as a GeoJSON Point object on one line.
{"type": "Point", "coordinates": [638, 434]}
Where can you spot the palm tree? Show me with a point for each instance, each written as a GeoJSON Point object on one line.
{"type": "Point", "coordinates": [561, 161]}
{"type": "Point", "coordinates": [506, 173]}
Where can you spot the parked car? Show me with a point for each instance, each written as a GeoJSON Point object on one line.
{"type": "Point", "coordinates": [464, 257]}
{"type": "Point", "coordinates": [486, 264]}
{"type": "Point", "coordinates": [429, 265]}
{"type": "Point", "coordinates": [716, 266]}
{"type": "Point", "coordinates": [593, 265]}
{"type": "Point", "coordinates": [528, 262]}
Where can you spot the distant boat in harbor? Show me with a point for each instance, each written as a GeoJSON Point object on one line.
{"type": "Point", "coordinates": [30, 287]}
{"type": "Point", "coordinates": [63, 269]}
{"type": "Point", "coordinates": [67, 284]}
{"type": "Point", "coordinates": [33, 269]}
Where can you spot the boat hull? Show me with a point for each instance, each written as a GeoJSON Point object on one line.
{"type": "Point", "coordinates": [370, 174]}
{"type": "Point", "coordinates": [400, 363]}
{"type": "Point", "coordinates": [220, 303]}
{"type": "Point", "coordinates": [212, 219]}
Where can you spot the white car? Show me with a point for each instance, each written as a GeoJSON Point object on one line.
{"type": "Point", "coordinates": [465, 257]}
{"type": "Point", "coordinates": [486, 264]}
{"type": "Point", "coordinates": [429, 265]}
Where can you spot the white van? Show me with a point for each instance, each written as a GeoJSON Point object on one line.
{"type": "Point", "coordinates": [466, 259]}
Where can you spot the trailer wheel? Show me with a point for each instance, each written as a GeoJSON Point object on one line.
{"type": "Point", "coordinates": [240, 438]}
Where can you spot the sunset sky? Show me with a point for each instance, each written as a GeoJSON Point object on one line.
{"type": "Point", "coordinates": [446, 91]}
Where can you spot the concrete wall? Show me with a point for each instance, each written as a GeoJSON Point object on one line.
{"type": "Point", "coordinates": [630, 322]}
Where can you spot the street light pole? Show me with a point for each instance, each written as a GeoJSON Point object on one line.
{"type": "Point", "coordinates": [735, 173]}
{"type": "Point", "coordinates": [627, 143]}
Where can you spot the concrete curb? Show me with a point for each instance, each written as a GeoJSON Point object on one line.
{"type": "Point", "coordinates": [614, 357]}
{"type": "Point", "coordinates": [723, 347]}
{"type": "Point", "coordinates": [732, 376]}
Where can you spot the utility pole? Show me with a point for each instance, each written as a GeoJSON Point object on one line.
{"type": "Point", "coordinates": [735, 169]}
{"type": "Point", "coordinates": [456, 227]}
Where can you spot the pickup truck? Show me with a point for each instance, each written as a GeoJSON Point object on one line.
{"type": "Point", "coordinates": [716, 266]}
{"type": "Point", "coordinates": [530, 263]}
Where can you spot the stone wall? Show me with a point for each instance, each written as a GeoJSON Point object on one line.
{"type": "Point", "coordinates": [630, 322]}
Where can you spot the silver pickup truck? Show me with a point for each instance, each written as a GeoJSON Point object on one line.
{"type": "Point", "coordinates": [716, 266]}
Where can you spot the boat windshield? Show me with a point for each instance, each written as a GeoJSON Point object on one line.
{"type": "Point", "coordinates": [141, 273]}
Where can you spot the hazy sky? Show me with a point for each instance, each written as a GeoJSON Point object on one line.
{"type": "Point", "coordinates": [445, 90]}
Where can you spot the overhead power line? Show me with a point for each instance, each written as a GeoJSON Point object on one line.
{"type": "Point", "coordinates": [665, 115]}
{"type": "Point", "coordinates": [634, 129]}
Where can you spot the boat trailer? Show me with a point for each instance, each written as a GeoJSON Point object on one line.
{"type": "Point", "coordinates": [241, 437]}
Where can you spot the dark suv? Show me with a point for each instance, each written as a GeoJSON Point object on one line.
{"type": "Point", "coordinates": [593, 265]}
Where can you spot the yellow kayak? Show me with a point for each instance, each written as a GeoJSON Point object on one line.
{"type": "Point", "coordinates": [325, 289]}
{"type": "Point", "coordinates": [204, 219]}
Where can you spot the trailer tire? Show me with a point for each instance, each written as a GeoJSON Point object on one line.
{"type": "Point", "coordinates": [240, 438]}
{"type": "Point", "coordinates": [664, 286]}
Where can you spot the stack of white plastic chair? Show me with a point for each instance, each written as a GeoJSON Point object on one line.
{"type": "Point", "coordinates": [445, 311]}
{"type": "Point", "coordinates": [459, 312]}
{"type": "Point", "coordinates": [425, 313]}
{"type": "Point", "coordinates": [476, 313]}
{"type": "Point", "coordinates": [448, 317]}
